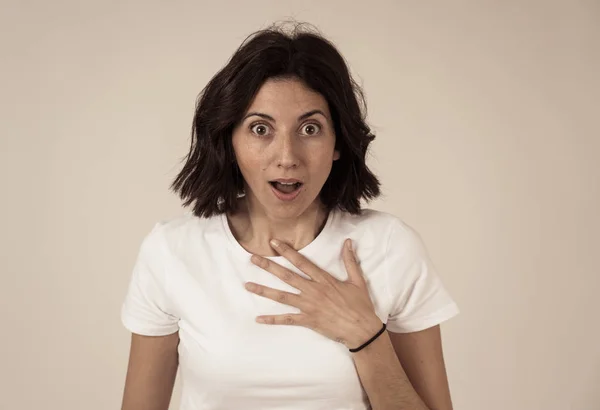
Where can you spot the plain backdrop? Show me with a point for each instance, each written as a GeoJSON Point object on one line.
{"type": "Point", "coordinates": [488, 143]}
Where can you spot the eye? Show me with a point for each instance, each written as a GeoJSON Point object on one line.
{"type": "Point", "coordinates": [259, 129]}
{"type": "Point", "coordinates": [311, 128]}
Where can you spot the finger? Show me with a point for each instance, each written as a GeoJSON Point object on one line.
{"type": "Point", "coordinates": [282, 273]}
{"type": "Point", "coordinates": [286, 298]}
{"type": "Point", "coordinates": [288, 320]}
{"type": "Point", "coordinates": [298, 260]}
{"type": "Point", "coordinates": [355, 274]}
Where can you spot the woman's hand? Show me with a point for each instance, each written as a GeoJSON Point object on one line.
{"type": "Point", "coordinates": [339, 310]}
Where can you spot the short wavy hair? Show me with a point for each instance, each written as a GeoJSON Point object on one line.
{"type": "Point", "coordinates": [210, 178]}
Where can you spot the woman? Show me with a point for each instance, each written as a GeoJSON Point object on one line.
{"type": "Point", "coordinates": [278, 291]}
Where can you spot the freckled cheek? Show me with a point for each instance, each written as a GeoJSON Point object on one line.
{"type": "Point", "coordinates": [249, 153]}
{"type": "Point", "coordinates": [320, 167]}
{"type": "Point", "coordinates": [253, 165]}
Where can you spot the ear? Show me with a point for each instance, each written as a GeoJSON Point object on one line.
{"type": "Point", "coordinates": [336, 155]}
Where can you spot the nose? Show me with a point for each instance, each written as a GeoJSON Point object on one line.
{"type": "Point", "coordinates": [287, 152]}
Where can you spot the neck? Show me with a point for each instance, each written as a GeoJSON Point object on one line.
{"type": "Point", "coordinates": [254, 227]}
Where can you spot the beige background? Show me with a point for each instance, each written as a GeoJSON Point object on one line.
{"type": "Point", "coordinates": [488, 144]}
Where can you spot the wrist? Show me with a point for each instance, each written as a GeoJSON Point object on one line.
{"type": "Point", "coordinates": [373, 350]}
{"type": "Point", "coordinates": [364, 333]}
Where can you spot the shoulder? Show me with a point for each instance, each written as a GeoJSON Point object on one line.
{"type": "Point", "coordinates": [172, 233]}
{"type": "Point", "coordinates": [383, 228]}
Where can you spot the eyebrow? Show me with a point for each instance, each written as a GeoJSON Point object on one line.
{"type": "Point", "coordinates": [300, 118]}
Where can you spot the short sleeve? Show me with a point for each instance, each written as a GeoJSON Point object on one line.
{"type": "Point", "coordinates": [419, 299]}
{"type": "Point", "coordinates": [145, 310]}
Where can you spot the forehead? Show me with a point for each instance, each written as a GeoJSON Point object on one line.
{"type": "Point", "coordinates": [287, 96]}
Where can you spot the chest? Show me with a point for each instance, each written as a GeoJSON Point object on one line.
{"type": "Point", "coordinates": [209, 297]}
{"type": "Point", "coordinates": [223, 348]}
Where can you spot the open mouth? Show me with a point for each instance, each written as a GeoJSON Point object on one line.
{"type": "Point", "coordinates": [286, 187]}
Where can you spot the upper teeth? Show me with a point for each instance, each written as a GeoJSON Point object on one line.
{"type": "Point", "coordinates": [287, 183]}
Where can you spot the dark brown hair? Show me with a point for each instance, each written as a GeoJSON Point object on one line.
{"type": "Point", "coordinates": [210, 178]}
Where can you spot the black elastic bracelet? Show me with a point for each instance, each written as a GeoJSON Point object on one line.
{"type": "Point", "coordinates": [368, 342]}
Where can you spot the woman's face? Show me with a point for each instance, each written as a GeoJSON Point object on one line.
{"type": "Point", "coordinates": [285, 147]}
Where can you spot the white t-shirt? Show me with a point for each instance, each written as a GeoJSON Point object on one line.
{"type": "Point", "coordinates": [189, 278]}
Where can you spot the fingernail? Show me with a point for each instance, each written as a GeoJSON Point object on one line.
{"type": "Point", "coordinates": [275, 243]}
{"type": "Point", "coordinates": [351, 249]}
{"type": "Point", "coordinates": [249, 286]}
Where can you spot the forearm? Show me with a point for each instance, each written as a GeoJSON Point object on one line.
{"type": "Point", "coordinates": [384, 379]}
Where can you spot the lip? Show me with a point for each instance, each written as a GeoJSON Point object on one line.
{"type": "Point", "coordinates": [283, 196]}
{"type": "Point", "coordinates": [287, 180]}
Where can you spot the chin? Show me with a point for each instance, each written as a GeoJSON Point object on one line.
{"type": "Point", "coordinates": [291, 210]}
{"type": "Point", "coordinates": [286, 211]}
